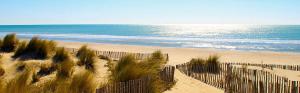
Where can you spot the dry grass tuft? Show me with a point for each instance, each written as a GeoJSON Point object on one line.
{"type": "Point", "coordinates": [65, 69]}
{"type": "Point", "coordinates": [199, 65]}
{"type": "Point", "coordinates": [21, 83]}
{"type": "Point", "coordinates": [21, 48]}
{"type": "Point", "coordinates": [2, 71]}
{"type": "Point", "coordinates": [9, 43]}
{"type": "Point", "coordinates": [83, 83]}
{"type": "Point", "coordinates": [61, 55]}
{"type": "Point", "coordinates": [37, 49]}
{"type": "Point", "coordinates": [82, 50]}
{"type": "Point", "coordinates": [46, 69]}
{"type": "Point", "coordinates": [128, 68]}
{"type": "Point", "coordinates": [87, 57]}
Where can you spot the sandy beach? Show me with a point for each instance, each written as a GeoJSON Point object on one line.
{"type": "Point", "coordinates": [182, 55]}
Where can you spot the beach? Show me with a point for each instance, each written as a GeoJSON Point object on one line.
{"type": "Point", "coordinates": [182, 55]}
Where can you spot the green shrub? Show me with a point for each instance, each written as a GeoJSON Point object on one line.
{"type": "Point", "coordinates": [9, 43]}
{"type": "Point", "coordinates": [83, 83]}
{"type": "Point", "coordinates": [37, 49]}
{"type": "Point", "coordinates": [87, 57]}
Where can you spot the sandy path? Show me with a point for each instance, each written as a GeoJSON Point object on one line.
{"type": "Point", "coordinates": [187, 84]}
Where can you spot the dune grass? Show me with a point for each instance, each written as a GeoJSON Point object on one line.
{"type": "Point", "coordinates": [2, 71]}
{"type": "Point", "coordinates": [82, 51]}
{"type": "Point", "coordinates": [65, 68]}
{"type": "Point", "coordinates": [87, 57]}
{"type": "Point", "coordinates": [61, 54]}
{"type": "Point", "coordinates": [46, 69]}
{"type": "Point", "coordinates": [128, 68]}
{"type": "Point", "coordinates": [83, 83]}
{"type": "Point", "coordinates": [36, 49]}
{"type": "Point", "coordinates": [9, 43]}
{"type": "Point", "coordinates": [211, 64]}
{"type": "Point", "coordinates": [21, 83]}
{"type": "Point", "coordinates": [20, 49]}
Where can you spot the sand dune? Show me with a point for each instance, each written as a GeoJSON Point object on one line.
{"type": "Point", "coordinates": [187, 84]}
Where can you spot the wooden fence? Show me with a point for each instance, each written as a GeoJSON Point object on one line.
{"type": "Point", "coordinates": [241, 80]}
{"type": "Point", "coordinates": [131, 86]}
{"type": "Point", "coordinates": [167, 74]}
{"type": "Point", "coordinates": [117, 55]}
{"type": "Point", "coordinates": [204, 74]}
{"type": "Point", "coordinates": [270, 66]}
{"type": "Point", "coordinates": [234, 79]}
{"type": "Point", "coordinates": [138, 85]}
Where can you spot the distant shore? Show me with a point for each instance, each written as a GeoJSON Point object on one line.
{"type": "Point", "coordinates": [182, 55]}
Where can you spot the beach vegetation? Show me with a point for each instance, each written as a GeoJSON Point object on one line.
{"type": "Point", "coordinates": [61, 55]}
{"type": "Point", "coordinates": [63, 63]}
{"type": "Point", "coordinates": [87, 57]}
{"type": "Point", "coordinates": [65, 69]}
{"type": "Point", "coordinates": [20, 49]}
{"type": "Point", "coordinates": [37, 49]}
{"type": "Point", "coordinates": [83, 83]}
{"type": "Point", "coordinates": [82, 50]}
{"type": "Point", "coordinates": [213, 64]}
{"type": "Point", "coordinates": [199, 65]}
{"type": "Point", "coordinates": [2, 71]}
{"type": "Point", "coordinates": [21, 83]}
{"type": "Point", "coordinates": [46, 69]}
{"type": "Point", "coordinates": [128, 68]}
{"type": "Point", "coordinates": [9, 43]}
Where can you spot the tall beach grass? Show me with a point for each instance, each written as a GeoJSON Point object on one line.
{"type": "Point", "coordinates": [128, 68]}
{"type": "Point", "coordinates": [36, 49]}
{"type": "Point", "coordinates": [87, 57]}
{"type": "Point", "coordinates": [9, 43]}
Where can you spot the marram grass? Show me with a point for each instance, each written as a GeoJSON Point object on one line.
{"type": "Point", "coordinates": [9, 43]}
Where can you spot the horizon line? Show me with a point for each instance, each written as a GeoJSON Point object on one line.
{"type": "Point", "coordinates": [134, 24]}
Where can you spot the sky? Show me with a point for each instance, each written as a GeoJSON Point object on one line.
{"type": "Point", "coordinates": [149, 11]}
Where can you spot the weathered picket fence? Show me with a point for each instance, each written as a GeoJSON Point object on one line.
{"type": "Point", "coordinates": [167, 74]}
{"type": "Point", "coordinates": [241, 80]}
{"type": "Point", "coordinates": [131, 86]}
{"type": "Point", "coordinates": [204, 74]}
{"type": "Point", "coordinates": [117, 55]}
{"type": "Point", "coordinates": [139, 85]}
{"type": "Point", "coordinates": [270, 66]}
{"type": "Point", "coordinates": [233, 78]}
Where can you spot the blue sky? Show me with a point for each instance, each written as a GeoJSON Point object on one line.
{"type": "Point", "coordinates": [149, 11]}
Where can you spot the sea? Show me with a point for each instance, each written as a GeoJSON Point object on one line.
{"type": "Point", "coordinates": [278, 38]}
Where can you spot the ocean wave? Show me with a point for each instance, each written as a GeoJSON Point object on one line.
{"type": "Point", "coordinates": [182, 39]}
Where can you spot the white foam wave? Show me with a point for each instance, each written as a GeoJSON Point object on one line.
{"type": "Point", "coordinates": [177, 39]}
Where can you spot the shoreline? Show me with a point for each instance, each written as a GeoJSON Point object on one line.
{"type": "Point", "coordinates": [286, 52]}
{"type": "Point", "coordinates": [182, 55]}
